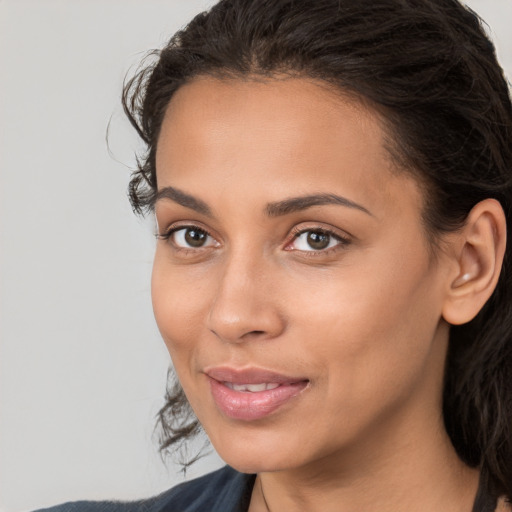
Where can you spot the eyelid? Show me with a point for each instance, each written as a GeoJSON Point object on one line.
{"type": "Point", "coordinates": [174, 227]}
{"type": "Point", "coordinates": [342, 237]}
{"type": "Point", "coordinates": [182, 224]}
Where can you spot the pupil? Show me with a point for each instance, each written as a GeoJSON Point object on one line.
{"type": "Point", "coordinates": [195, 238]}
{"type": "Point", "coordinates": [318, 240]}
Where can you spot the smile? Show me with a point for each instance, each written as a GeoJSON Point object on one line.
{"type": "Point", "coordinates": [251, 388]}
{"type": "Point", "coordinates": [252, 394]}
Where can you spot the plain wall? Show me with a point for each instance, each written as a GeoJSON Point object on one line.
{"type": "Point", "coordinates": [82, 366]}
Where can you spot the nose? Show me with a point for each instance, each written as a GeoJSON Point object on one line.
{"type": "Point", "coordinates": [245, 306]}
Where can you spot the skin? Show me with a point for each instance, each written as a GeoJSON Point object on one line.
{"type": "Point", "coordinates": [363, 320]}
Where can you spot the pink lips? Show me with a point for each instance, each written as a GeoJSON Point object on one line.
{"type": "Point", "coordinates": [251, 394]}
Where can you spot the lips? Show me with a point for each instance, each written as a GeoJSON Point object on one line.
{"type": "Point", "coordinates": [251, 394]}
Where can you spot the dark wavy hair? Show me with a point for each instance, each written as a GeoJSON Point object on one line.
{"type": "Point", "coordinates": [429, 69]}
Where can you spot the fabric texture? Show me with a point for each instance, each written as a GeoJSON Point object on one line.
{"type": "Point", "coordinates": [224, 490]}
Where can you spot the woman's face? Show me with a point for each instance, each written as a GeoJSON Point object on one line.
{"type": "Point", "coordinates": [293, 283]}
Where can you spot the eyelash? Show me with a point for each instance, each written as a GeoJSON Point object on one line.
{"type": "Point", "coordinates": [174, 229]}
{"type": "Point", "coordinates": [341, 241]}
{"type": "Point", "coordinates": [295, 232]}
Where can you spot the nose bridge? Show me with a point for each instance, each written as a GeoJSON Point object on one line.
{"type": "Point", "coordinates": [244, 305]}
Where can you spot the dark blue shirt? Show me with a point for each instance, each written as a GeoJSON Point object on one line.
{"type": "Point", "coordinates": [224, 490]}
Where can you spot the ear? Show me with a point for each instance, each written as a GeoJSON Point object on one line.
{"type": "Point", "coordinates": [478, 252]}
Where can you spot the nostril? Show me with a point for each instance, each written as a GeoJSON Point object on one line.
{"type": "Point", "coordinates": [254, 333]}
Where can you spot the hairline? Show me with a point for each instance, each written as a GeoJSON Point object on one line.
{"type": "Point", "coordinates": [400, 164]}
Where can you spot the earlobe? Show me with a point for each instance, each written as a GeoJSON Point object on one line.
{"type": "Point", "coordinates": [479, 257]}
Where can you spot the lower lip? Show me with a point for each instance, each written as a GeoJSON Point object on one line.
{"type": "Point", "coordinates": [248, 406]}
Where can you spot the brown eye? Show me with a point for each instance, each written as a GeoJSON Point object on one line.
{"type": "Point", "coordinates": [191, 238]}
{"type": "Point", "coordinates": [317, 240]}
{"type": "Point", "coordinates": [312, 240]}
{"type": "Point", "coordinates": [195, 237]}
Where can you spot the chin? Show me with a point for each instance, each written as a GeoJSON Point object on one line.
{"type": "Point", "coordinates": [255, 463]}
{"type": "Point", "coordinates": [258, 452]}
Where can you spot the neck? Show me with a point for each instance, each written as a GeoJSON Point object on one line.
{"type": "Point", "coordinates": [399, 470]}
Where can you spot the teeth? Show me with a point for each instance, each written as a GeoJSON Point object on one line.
{"type": "Point", "coordinates": [251, 388]}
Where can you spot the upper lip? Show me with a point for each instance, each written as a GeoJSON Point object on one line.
{"type": "Point", "coordinates": [250, 375]}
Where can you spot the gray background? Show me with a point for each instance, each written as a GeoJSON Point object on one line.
{"type": "Point", "coordinates": [82, 366]}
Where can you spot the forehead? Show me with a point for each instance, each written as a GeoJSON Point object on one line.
{"type": "Point", "coordinates": [291, 133]}
{"type": "Point", "coordinates": [275, 111]}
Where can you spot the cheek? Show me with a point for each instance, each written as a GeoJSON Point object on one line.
{"type": "Point", "coordinates": [180, 302]}
{"type": "Point", "coordinates": [372, 325]}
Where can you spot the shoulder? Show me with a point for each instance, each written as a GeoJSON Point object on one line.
{"type": "Point", "coordinates": [224, 490]}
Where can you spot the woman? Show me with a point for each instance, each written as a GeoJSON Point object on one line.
{"type": "Point", "coordinates": [331, 182]}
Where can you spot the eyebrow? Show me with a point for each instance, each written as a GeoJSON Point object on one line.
{"type": "Point", "coordinates": [295, 204]}
{"type": "Point", "coordinates": [184, 199]}
{"type": "Point", "coordinates": [275, 209]}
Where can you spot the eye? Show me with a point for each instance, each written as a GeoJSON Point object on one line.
{"type": "Point", "coordinates": [189, 237]}
{"type": "Point", "coordinates": [316, 240]}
